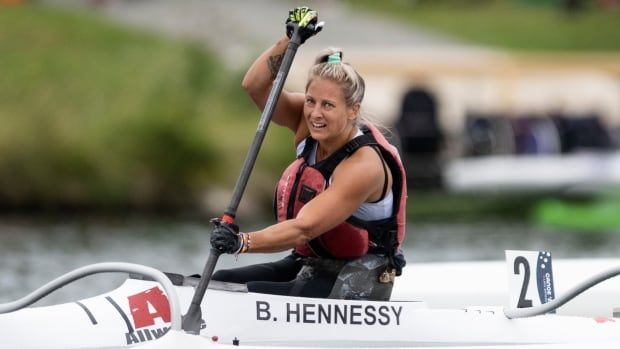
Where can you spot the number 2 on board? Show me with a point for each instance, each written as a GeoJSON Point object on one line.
{"type": "Point", "coordinates": [520, 260]}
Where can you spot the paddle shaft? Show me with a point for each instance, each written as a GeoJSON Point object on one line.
{"type": "Point", "coordinates": [191, 320]}
{"type": "Point", "coordinates": [263, 124]}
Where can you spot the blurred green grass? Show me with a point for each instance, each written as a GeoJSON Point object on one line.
{"type": "Point", "coordinates": [97, 115]}
{"type": "Point", "coordinates": [509, 24]}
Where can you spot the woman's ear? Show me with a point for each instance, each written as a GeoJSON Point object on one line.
{"type": "Point", "coordinates": [353, 111]}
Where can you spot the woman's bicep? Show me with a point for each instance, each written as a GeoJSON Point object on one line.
{"type": "Point", "coordinates": [337, 203]}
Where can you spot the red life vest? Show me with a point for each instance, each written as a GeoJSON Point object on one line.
{"type": "Point", "coordinates": [355, 237]}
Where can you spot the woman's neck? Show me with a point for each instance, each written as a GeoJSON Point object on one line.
{"type": "Point", "coordinates": [325, 149]}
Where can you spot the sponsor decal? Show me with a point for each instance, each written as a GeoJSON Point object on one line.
{"type": "Point", "coordinates": [146, 334]}
{"type": "Point", "coordinates": [330, 313]}
{"type": "Point", "coordinates": [148, 305]}
{"type": "Point", "coordinates": [145, 307]}
{"type": "Point", "coordinates": [544, 277]}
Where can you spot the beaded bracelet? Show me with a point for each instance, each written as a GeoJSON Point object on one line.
{"type": "Point", "coordinates": [249, 242]}
{"type": "Point", "coordinates": [245, 243]}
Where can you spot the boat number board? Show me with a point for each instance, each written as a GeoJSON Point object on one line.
{"type": "Point", "coordinates": [530, 278]}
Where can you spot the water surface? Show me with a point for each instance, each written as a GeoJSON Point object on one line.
{"type": "Point", "coordinates": [34, 251]}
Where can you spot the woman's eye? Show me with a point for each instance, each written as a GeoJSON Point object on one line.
{"type": "Point", "coordinates": [309, 102]}
{"type": "Point", "coordinates": [328, 105]}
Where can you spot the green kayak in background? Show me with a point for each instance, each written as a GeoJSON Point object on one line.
{"type": "Point", "coordinates": [593, 215]}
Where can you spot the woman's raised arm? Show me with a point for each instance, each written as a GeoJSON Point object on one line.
{"type": "Point", "coordinates": [258, 81]}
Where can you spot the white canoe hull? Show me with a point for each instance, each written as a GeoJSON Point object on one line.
{"type": "Point", "coordinates": [137, 313]}
{"type": "Point", "coordinates": [179, 339]}
{"type": "Point", "coordinates": [461, 284]}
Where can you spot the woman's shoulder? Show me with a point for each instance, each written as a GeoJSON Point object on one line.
{"type": "Point", "coordinates": [364, 160]}
{"type": "Point", "coordinates": [367, 154]}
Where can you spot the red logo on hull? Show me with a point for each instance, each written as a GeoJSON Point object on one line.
{"type": "Point", "coordinates": [142, 303]}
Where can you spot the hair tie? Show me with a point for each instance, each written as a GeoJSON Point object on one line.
{"type": "Point", "coordinates": [334, 58]}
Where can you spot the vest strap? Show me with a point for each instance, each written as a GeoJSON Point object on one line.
{"type": "Point", "coordinates": [327, 166]}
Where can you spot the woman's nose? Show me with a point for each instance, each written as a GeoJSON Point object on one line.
{"type": "Point", "coordinates": [315, 111]}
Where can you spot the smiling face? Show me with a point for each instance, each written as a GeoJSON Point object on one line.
{"type": "Point", "coordinates": [327, 116]}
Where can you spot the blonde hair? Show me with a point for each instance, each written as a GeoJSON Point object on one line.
{"type": "Point", "coordinates": [352, 83]}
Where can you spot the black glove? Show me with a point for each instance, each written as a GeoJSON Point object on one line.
{"type": "Point", "coordinates": [225, 237]}
{"type": "Point", "coordinates": [307, 21]}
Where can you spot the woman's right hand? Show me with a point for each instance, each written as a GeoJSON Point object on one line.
{"type": "Point", "coordinates": [306, 19]}
{"type": "Point", "coordinates": [225, 237]}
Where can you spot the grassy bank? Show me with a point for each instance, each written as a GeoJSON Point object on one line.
{"type": "Point", "coordinates": [94, 114]}
{"type": "Point", "coordinates": [516, 25]}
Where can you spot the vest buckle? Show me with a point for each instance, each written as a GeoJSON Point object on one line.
{"type": "Point", "coordinates": [387, 276]}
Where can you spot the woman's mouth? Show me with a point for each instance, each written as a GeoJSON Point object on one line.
{"type": "Point", "coordinates": [317, 125]}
